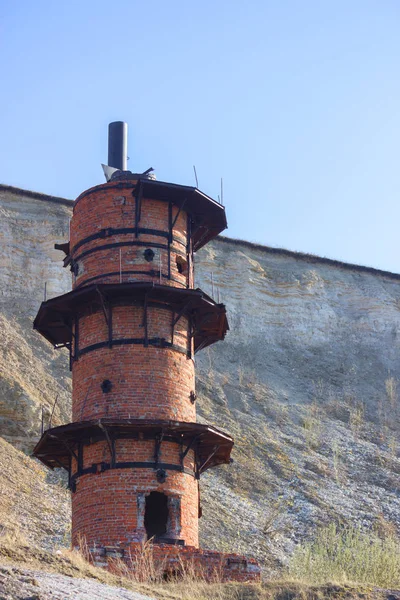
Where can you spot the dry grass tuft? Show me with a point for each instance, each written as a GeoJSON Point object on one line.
{"type": "Point", "coordinates": [348, 555]}
{"type": "Point", "coordinates": [141, 566]}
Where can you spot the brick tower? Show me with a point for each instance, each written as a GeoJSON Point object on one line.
{"type": "Point", "coordinates": [132, 324]}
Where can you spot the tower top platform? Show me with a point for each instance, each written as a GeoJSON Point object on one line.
{"type": "Point", "coordinates": [208, 215]}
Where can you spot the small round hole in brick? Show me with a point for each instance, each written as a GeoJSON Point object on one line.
{"type": "Point", "coordinates": [148, 254]}
{"type": "Point", "coordinates": [106, 386]}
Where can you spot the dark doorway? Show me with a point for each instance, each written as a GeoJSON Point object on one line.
{"type": "Point", "coordinates": [156, 514]}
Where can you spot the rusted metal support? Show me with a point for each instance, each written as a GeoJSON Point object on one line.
{"type": "Point", "coordinates": [138, 206]}
{"type": "Point", "coordinates": [182, 311]}
{"type": "Point", "coordinates": [215, 449]}
{"type": "Point", "coordinates": [201, 239]}
{"type": "Point", "coordinates": [169, 237]}
{"type": "Point", "coordinates": [202, 321]}
{"type": "Point", "coordinates": [177, 215]}
{"type": "Point", "coordinates": [76, 337]}
{"type": "Point", "coordinates": [69, 346]}
{"type": "Point", "coordinates": [80, 457]}
{"type": "Point", "coordinates": [52, 412]}
{"type": "Point", "coordinates": [188, 233]}
{"type": "Point", "coordinates": [200, 510]}
{"type": "Point", "coordinates": [113, 456]}
{"type": "Point", "coordinates": [86, 397]}
{"type": "Point", "coordinates": [110, 442]}
{"type": "Point", "coordinates": [157, 448]}
{"type": "Point", "coordinates": [110, 330]}
{"type": "Point", "coordinates": [185, 452]}
{"type": "Point", "coordinates": [181, 451]}
{"type": "Point", "coordinates": [190, 337]}
{"type": "Point", "coordinates": [146, 336]}
{"type": "Point", "coordinates": [172, 326]}
{"type": "Point", "coordinates": [196, 462]}
{"type": "Point", "coordinates": [69, 327]}
{"type": "Point", "coordinates": [64, 443]}
{"type": "Point", "coordinates": [203, 344]}
{"type": "Point", "coordinates": [58, 346]}
{"type": "Point", "coordinates": [188, 249]}
{"type": "Point", "coordinates": [103, 306]}
{"type": "Point", "coordinates": [70, 482]}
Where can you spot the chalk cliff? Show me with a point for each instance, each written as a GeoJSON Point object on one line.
{"type": "Point", "coordinates": [306, 380]}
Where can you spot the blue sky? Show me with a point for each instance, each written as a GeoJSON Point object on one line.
{"type": "Point", "coordinates": [294, 103]}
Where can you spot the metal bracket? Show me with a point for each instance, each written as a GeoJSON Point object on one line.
{"type": "Point", "coordinates": [110, 442]}
{"type": "Point", "coordinates": [103, 306]}
{"type": "Point", "coordinates": [80, 458]}
{"type": "Point", "coordinates": [182, 311]}
{"type": "Point", "coordinates": [110, 332]}
{"type": "Point", "coordinates": [169, 238]}
{"type": "Point", "coordinates": [76, 338]}
{"type": "Point", "coordinates": [72, 453]}
{"type": "Point", "coordinates": [157, 448]}
{"type": "Point", "coordinates": [138, 192]}
{"type": "Point", "coordinates": [177, 214]}
{"type": "Point", "coordinates": [107, 312]}
{"type": "Point", "coordinates": [146, 337]}
{"type": "Point", "coordinates": [185, 452]}
{"type": "Point", "coordinates": [215, 449]}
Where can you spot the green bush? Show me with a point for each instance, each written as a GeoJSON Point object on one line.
{"type": "Point", "coordinates": [345, 555]}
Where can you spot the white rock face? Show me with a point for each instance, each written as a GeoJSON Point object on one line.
{"type": "Point", "coordinates": [32, 373]}
{"type": "Point", "coordinates": [30, 226]}
{"type": "Point", "coordinates": [307, 380]}
{"type": "Point", "coordinates": [303, 323]}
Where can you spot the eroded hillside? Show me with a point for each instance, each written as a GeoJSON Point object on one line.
{"type": "Point", "coordinates": [307, 381]}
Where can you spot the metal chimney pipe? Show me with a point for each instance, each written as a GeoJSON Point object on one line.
{"type": "Point", "coordinates": [118, 145]}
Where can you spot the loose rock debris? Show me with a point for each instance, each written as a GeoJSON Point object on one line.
{"type": "Point", "coordinates": [25, 584]}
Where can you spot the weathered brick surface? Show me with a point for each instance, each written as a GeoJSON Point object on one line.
{"type": "Point", "coordinates": [171, 561]}
{"type": "Point", "coordinates": [106, 207]}
{"type": "Point", "coordinates": [105, 504]}
{"type": "Point", "coordinates": [146, 383]}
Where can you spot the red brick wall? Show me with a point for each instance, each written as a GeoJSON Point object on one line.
{"type": "Point", "coordinates": [105, 507]}
{"type": "Point", "coordinates": [147, 382]}
{"type": "Point", "coordinates": [127, 322]}
{"type": "Point", "coordinates": [107, 207]}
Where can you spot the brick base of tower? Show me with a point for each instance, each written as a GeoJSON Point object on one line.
{"type": "Point", "coordinates": [166, 561]}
